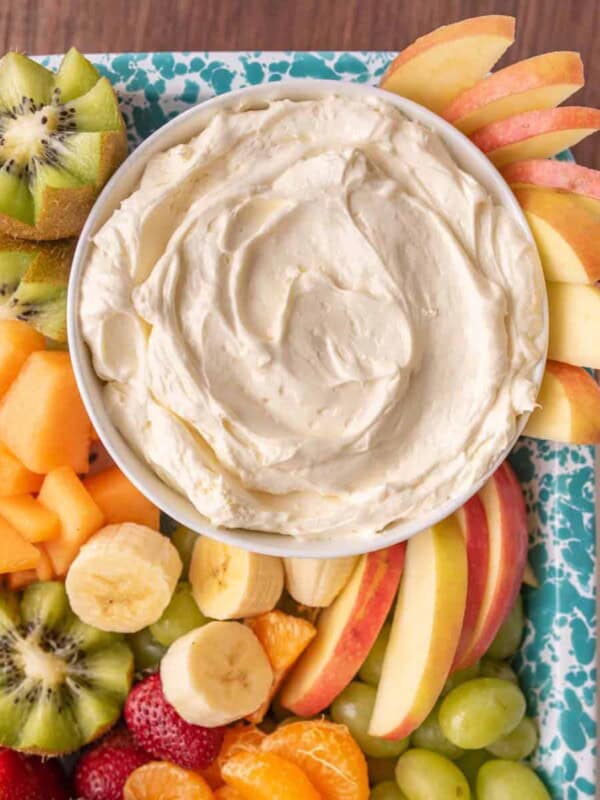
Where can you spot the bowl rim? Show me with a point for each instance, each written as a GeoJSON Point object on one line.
{"type": "Point", "coordinates": [181, 129]}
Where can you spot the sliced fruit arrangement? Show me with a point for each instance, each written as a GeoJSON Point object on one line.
{"type": "Point", "coordinates": [435, 68]}
{"type": "Point", "coordinates": [346, 631]}
{"type": "Point", "coordinates": [61, 137]}
{"type": "Point", "coordinates": [62, 683]}
{"type": "Point", "coordinates": [512, 115]}
{"type": "Point", "coordinates": [412, 695]}
{"type": "Point", "coordinates": [540, 82]}
{"type": "Point", "coordinates": [47, 512]}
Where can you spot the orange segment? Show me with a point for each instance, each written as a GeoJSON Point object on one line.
{"type": "Point", "coordinates": [327, 753]}
{"type": "Point", "coordinates": [238, 739]}
{"type": "Point", "coordinates": [284, 639]}
{"type": "Point", "coordinates": [228, 793]}
{"type": "Point", "coordinates": [160, 780]}
{"type": "Point", "coordinates": [267, 776]}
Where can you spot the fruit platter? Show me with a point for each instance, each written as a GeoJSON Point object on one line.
{"type": "Point", "coordinates": [140, 660]}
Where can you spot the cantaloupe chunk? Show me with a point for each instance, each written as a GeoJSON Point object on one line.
{"type": "Point", "coordinates": [43, 572]}
{"type": "Point", "coordinates": [16, 553]}
{"type": "Point", "coordinates": [30, 518]}
{"type": "Point", "coordinates": [80, 517]}
{"type": "Point", "coordinates": [17, 342]}
{"type": "Point", "coordinates": [42, 419]}
{"type": "Point", "coordinates": [119, 500]}
{"type": "Point", "coordinates": [15, 478]}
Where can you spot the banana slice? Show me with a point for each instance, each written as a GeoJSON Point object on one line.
{"type": "Point", "coordinates": [216, 674]}
{"type": "Point", "coordinates": [231, 583]}
{"type": "Point", "coordinates": [123, 578]}
{"type": "Point", "coordinates": [317, 581]}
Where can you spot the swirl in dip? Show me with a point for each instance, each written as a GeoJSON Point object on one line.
{"type": "Point", "coordinates": [311, 321]}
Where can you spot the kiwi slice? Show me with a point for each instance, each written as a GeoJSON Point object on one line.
{"type": "Point", "coordinates": [33, 283]}
{"type": "Point", "coordinates": [61, 137]}
{"type": "Point", "coordinates": [62, 683]}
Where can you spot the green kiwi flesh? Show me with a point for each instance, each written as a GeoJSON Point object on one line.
{"type": "Point", "coordinates": [40, 114]}
{"type": "Point", "coordinates": [75, 76]}
{"type": "Point", "coordinates": [33, 284]}
{"type": "Point", "coordinates": [62, 683]}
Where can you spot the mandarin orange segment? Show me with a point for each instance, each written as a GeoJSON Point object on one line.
{"type": "Point", "coordinates": [160, 780]}
{"type": "Point", "coordinates": [327, 753]}
{"type": "Point", "coordinates": [228, 793]}
{"type": "Point", "coordinates": [267, 776]}
{"type": "Point", "coordinates": [284, 638]}
{"type": "Point", "coordinates": [240, 738]}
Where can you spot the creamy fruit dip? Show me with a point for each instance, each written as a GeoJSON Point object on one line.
{"type": "Point", "coordinates": [311, 321]}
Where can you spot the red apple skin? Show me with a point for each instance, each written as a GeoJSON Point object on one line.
{"type": "Point", "coordinates": [473, 523]}
{"type": "Point", "coordinates": [551, 174]}
{"type": "Point", "coordinates": [363, 623]}
{"type": "Point", "coordinates": [534, 123]}
{"type": "Point", "coordinates": [513, 545]}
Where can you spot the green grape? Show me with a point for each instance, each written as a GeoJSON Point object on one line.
{"type": "Point", "coordinates": [184, 540]}
{"type": "Point", "coordinates": [471, 762]}
{"type": "Point", "coordinates": [381, 769]}
{"type": "Point", "coordinates": [497, 669]}
{"type": "Point", "coordinates": [460, 676]}
{"type": "Point", "coordinates": [479, 712]}
{"type": "Point", "coordinates": [517, 744]}
{"type": "Point", "coordinates": [388, 790]}
{"type": "Point", "coordinates": [181, 616]}
{"type": "Point", "coordinates": [353, 708]}
{"type": "Point", "coordinates": [424, 775]}
{"type": "Point", "coordinates": [370, 672]}
{"type": "Point", "coordinates": [429, 736]}
{"type": "Point", "coordinates": [508, 639]}
{"type": "Point", "coordinates": [501, 780]}
{"type": "Point", "coordinates": [147, 652]}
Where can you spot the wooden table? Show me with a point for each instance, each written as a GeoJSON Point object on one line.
{"type": "Point", "coordinates": [50, 26]}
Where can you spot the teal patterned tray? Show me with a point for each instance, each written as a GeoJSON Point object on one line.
{"type": "Point", "coordinates": [557, 661]}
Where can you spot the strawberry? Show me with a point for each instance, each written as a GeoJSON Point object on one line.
{"type": "Point", "coordinates": [29, 778]}
{"type": "Point", "coordinates": [159, 729]}
{"type": "Point", "coordinates": [102, 770]}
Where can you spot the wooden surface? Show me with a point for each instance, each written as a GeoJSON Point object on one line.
{"type": "Point", "coordinates": [50, 26]}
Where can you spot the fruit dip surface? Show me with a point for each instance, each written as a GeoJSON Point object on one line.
{"type": "Point", "coordinates": [311, 321]}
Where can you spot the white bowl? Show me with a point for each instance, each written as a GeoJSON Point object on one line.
{"type": "Point", "coordinates": [121, 185]}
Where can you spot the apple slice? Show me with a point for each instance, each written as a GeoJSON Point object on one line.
{"type": "Point", "coordinates": [540, 82]}
{"type": "Point", "coordinates": [567, 234]}
{"type": "Point", "coordinates": [506, 515]}
{"type": "Point", "coordinates": [574, 317]}
{"type": "Point", "coordinates": [583, 183]}
{"type": "Point", "coordinates": [425, 630]}
{"type": "Point", "coordinates": [438, 66]}
{"type": "Point", "coordinates": [536, 134]}
{"type": "Point", "coordinates": [473, 523]}
{"type": "Point", "coordinates": [346, 631]}
{"type": "Point", "coordinates": [569, 406]}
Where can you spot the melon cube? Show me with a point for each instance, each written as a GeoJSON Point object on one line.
{"type": "Point", "coordinates": [119, 499]}
{"type": "Point", "coordinates": [63, 493]}
{"type": "Point", "coordinates": [17, 342]}
{"type": "Point", "coordinates": [16, 553]}
{"type": "Point", "coordinates": [42, 419]}
{"type": "Point", "coordinates": [43, 572]}
{"type": "Point", "coordinates": [15, 478]}
{"type": "Point", "coordinates": [30, 518]}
